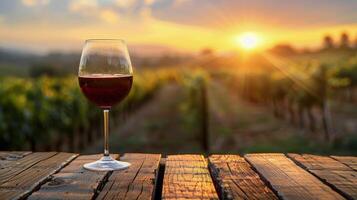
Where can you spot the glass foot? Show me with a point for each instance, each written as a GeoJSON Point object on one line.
{"type": "Point", "coordinates": [106, 163]}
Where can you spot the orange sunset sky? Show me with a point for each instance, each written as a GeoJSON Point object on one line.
{"type": "Point", "coordinates": [183, 25]}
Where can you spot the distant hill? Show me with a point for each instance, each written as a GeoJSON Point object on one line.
{"type": "Point", "coordinates": [16, 57]}
{"type": "Point", "coordinates": [20, 63]}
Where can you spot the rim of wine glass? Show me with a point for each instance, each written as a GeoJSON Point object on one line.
{"type": "Point", "coordinates": [109, 39]}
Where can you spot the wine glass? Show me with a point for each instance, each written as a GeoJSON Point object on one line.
{"type": "Point", "coordinates": [105, 76]}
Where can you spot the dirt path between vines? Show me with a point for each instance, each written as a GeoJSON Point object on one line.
{"type": "Point", "coordinates": [156, 127]}
{"type": "Point", "coordinates": [237, 126]}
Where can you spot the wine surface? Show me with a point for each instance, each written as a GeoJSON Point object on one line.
{"type": "Point", "coordinates": [105, 90]}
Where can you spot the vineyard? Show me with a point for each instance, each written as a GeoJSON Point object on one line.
{"type": "Point", "coordinates": [50, 113]}
{"type": "Point", "coordinates": [301, 90]}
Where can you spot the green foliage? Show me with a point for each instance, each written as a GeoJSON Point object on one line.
{"type": "Point", "coordinates": [41, 69]}
{"type": "Point", "coordinates": [35, 111]}
{"type": "Point", "coordinates": [191, 109]}
{"type": "Point", "coordinates": [299, 89]}
{"type": "Point", "coordinates": [347, 73]}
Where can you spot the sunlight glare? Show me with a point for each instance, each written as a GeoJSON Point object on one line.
{"type": "Point", "coordinates": [248, 40]}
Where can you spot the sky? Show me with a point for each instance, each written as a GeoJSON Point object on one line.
{"type": "Point", "coordinates": [179, 25]}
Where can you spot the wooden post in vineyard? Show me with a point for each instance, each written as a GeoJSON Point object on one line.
{"type": "Point", "coordinates": [292, 118]}
{"type": "Point", "coordinates": [326, 119]}
{"type": "Point", "coordinates": [311, 119]}
{"type": "Point", "coordinates": [204, 116]}
{"type": "Point", "coordinates": [326, 115]}
{"type": "Point", "coordinates": [301, 116]}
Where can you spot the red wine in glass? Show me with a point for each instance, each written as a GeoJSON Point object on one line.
{"type": "Point", "coordinates": [105, 76]}
{"type": "Point", "coordinates": [105, 90]}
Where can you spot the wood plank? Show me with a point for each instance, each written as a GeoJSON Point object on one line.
{"type": "Point", "coordinates": [9, 170]}
{"type": "Point", "coordinates": [289, 180]}
{"type": "Point", "coordinates": [187, 177]}
{"type": "Point", "coordinates": [315, 162]}
{"type": "Point", "coordinates": [339, 176]}
{"type": "Point", "coordinates": [7, 157]}
{"type": "Point", "coordinates": [136, 182]}
{"type": "Point", "coordinates": [31, 174]}
{"type": "Point", "coordinates": [12, 155]}
{"type": "Point", "coordinates": [350, 161]}
{"type": "Point", "coordinates": [73, 181]}
{"type": "Point", "coordinates": [235, 179]}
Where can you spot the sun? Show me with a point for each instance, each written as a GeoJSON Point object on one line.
{"type": "Point", "coordinates": [248, 40]}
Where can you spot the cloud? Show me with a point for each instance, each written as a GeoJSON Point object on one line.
{"type": "Point", "coordinates": [135, 9]}
{"type": "Point", "coordinates": [184, 24]}
{"type": "Point", "coordinates": [91, 8]}
{"type": "Point", "coordinates": [31, 3]}
{"type": "Point", "coordinates": [125, 3]}
{"type": "Point", "coordinates": [109, 16]}
{"type": "Point", "coordinates": [227, 13]}
{"type": "Point", "coordinates": [83, 5]}
{"type": "Point", "coordinates": [132, 3]}
{"type": "Point", "coordinates": [112, 11]}
{"type": "Point", "coordinates": [179, 2]}
{"type": "Point", "coordinates": [149, 2]}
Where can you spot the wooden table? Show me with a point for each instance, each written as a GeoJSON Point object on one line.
{"type": "Point", "coordinates": [53, 175]}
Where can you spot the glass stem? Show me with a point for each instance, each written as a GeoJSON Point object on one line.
{"type": "Point", "coordinates": [106, 132]}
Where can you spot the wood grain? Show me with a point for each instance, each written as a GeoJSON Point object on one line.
{"type": "Point", "coordinates": [12, 155]}
{"type": "Point", "coordinates": [347, 160]}
{"type": "Point", "coordinates": [289, 180]}
{"type": "Point", "coordinates": [52, 175]}
{"type": "Point", "coordinates": [235, 179]}
{"type": "Point", "coordinates": [73, 181]}
{"type": "Point", "coordinates": [7, 157]}
{"type": "Point", "coordinates": [339, 176]}
{"type": "Point", "coordinates": [136, 182]}
{"type": "Point", "coordinates": [26, 175]}
{"type": "Point", "coordinates": [9, 170]}
{"type": "Point", "coordinates": [187, 177]}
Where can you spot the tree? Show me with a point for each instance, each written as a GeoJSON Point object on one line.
{"type": "Point", "coordinates": [207, 51]}
{"type": "Point", "coordinates": [345, 40]}
{"type": "Point", "coordinates": [328, 42]}
{"type": "Point", "coordinates": [283, 50]}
